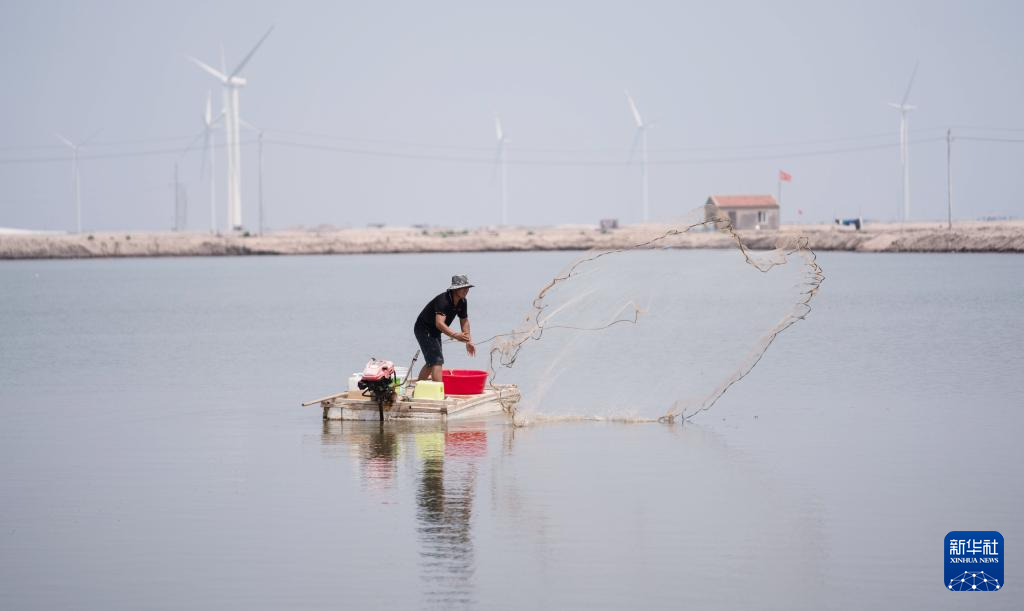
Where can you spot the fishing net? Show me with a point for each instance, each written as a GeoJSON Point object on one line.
{"type": "Point", "coordinates": [656, 330]}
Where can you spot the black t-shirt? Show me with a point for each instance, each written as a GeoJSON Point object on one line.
{"type": "Point", "coordinates": [442, 304]}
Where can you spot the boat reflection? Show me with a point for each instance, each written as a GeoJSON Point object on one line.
{"type": "Point", "coordinates": [444, 461]}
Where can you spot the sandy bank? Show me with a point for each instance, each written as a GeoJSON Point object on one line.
{"type": "Point", "coordinates": [1001, 236]}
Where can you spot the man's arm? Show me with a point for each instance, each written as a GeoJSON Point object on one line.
{"type": "Point", "coordinates": [470, 347]}
{"type": "Point", "coordinates": [443, 328]}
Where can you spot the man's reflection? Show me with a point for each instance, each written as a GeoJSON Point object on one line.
{"type": "Point", "coordinates": [444, 512]}
{"type": "Point", "coordinates": [447, 463]}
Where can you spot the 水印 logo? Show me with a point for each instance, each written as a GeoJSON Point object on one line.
{"type": "Point", "coordinates": [975, 561]}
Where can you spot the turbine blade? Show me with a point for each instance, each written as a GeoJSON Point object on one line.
{"type": "Point", "coordinates": [213, 71]}
{"type": "Point", "coordinates": [206, 149]}
{"type": "Point", "coordinates": [497, 129]}
{"type": "Point", "coordinates": [910, 84]}
{"type": "Point", "coordinates": [90, 138]}
{"type": "Point", "coordinates": [246, 124]}
{"type": "Point", "coordinates": [194, 141]}
{"type": "Point", "coordinates": [65, 141]}
{"type": "Point", "coordinates": [251, 53]}
{"type": "Point", "coordinates": [636, 113]}
{"type": "Point", "coordinates": [636, 141]}
{"type": "Point", "coordinates": [497, 161]}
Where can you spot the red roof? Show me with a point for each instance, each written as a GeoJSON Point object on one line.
{"type": "Point", "coordinates": [743, 201]}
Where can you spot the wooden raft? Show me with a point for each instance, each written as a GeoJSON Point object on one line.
{"type": "Point", "coordinates": [352, 405]}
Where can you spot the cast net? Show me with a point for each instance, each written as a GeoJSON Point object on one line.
{"type": "Point", "coordinates": [659, 329]}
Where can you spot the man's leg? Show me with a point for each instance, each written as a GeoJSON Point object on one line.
{"type": "Point", "coordinates": [436, 360]}
{"type": "Point", "coordinates": [433, 358]}
{"type": "Point", "coordinates": [427, 347]}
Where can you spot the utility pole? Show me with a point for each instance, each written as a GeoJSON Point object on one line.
{"type": "Point", "coordinates": [78, 193]}
{"type": "Point", "coordinates": [647, 215]}
{"type": "Point", "coordinates": [260, 139]}
{"type": "Point", "coordinates": [177, 198]}
{"type": "Point", "coordinates": [180, 203]}
{"type": "Point", "coordinates": [949, 179]}
{"type": "Point", "coordinates": [504, 188]}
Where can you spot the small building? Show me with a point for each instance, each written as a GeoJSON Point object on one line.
{"type": "Point", "coordinates": [745, 211]}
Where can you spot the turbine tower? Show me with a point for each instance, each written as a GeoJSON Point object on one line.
{"type": "Point", "coordinates": [208, 123]}
{"type": "Point", "coordinates": [905, 108]}
{"type": "Point", "coordinates": [76, 179]}
{"type": "Point", "coordinates": [233, 83]}
{"type": "Point", "coordinates": [500, 159]}
{"type": "Point", "coordinates": [641, 136]}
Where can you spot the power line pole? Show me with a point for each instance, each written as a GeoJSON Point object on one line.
{"type": "Point", "coordinates": [180, 203]}
{"type": "Point", "coordinates": [78, 192]}
{"type": "Point", "coordinates": [260, 139]}
{"type": "Point", "coordinates": [949, 179]}
{"type": "Point", "coordinates": [177, 198]}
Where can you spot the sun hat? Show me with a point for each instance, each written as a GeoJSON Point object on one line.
{"type": "Point", "coordinates": [460, 282]}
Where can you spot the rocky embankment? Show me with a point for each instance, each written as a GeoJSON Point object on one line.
{"type": "Point", "coordinates": [1002, 236]}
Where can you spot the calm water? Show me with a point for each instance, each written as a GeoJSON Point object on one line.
{"type": "Point", "coordinates": [153, 453]}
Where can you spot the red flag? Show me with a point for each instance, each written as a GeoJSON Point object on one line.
{"type": "Point", "coordinates": [784, 177]}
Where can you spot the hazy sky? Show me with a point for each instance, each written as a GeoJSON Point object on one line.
{"type": "Point", "coordinates": [384, 112]}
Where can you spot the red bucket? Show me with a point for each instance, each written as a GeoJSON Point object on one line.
{"type": "Point", "coordinates": [463, 381]}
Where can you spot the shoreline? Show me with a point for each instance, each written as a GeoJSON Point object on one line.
{"type": "Point", "coordinates": [967, 236]}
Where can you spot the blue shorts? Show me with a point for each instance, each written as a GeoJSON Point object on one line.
{"type": "Point", "coordinates": [430, 346]}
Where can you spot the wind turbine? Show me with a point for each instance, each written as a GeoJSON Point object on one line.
{"type": "Point", "coordinates": [500, 160]}
{"type": "Point", "coordinates": [641, 136]}
{"type": "Point", "coordinates": [904, 108]}
{"type": "Point", "coordinates": [233, 83]}
{"type": "Point", "coordinates": [76, 175]}
{"type": "Point", "coordinates": [208, 144]}
{"type": "Point", "coordinates": [208, 123]}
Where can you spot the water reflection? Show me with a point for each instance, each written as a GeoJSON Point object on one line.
{"type": "Point", "coordinates": [445, 461]}
{"type": "Point", "coordinates": [444, 501]}
{"type": "Point", "coordinates": [608, 505]}
{"type": "Point", "coordinates": [374, 448]}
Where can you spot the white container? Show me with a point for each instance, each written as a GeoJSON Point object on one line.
{"type": "Point", "coordinates": [401, 372]}
{"type": "Point", "coordinates": [353, 381]}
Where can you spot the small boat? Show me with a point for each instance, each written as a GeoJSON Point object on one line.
{"type": "Point", "coordinates": [354, 405]}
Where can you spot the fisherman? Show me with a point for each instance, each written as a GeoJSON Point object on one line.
{"type": "Point", "coordinates": [434, 320]}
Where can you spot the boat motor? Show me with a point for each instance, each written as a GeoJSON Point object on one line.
{"type": "Point", "coordinates": [378, 382]}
